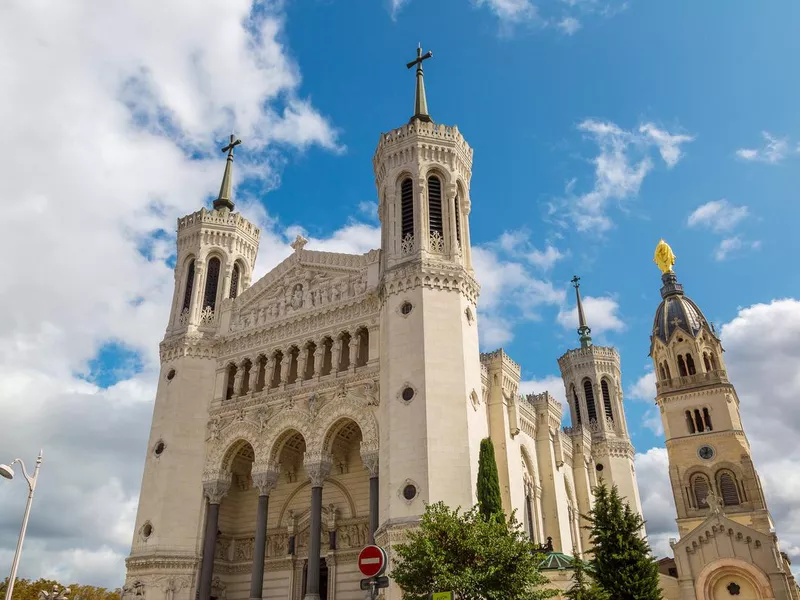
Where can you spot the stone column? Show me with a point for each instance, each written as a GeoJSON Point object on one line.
{"type": "Point", "coordinates": [265, 481]}
{"type": "Point", "coordinates": [353, 351]}
{"type": "Point", "coordinates": [319, 355]}
{"type": "Point", "coordinates": [370, 460]}
{"type": "Point", "coordinates": [199, 290]}
{"type": "Point", "coordinates": [318, 468]}
{"type": "Point", "coordinates": [450, 202]}
{"type": "Point", "coordinates": [254, 368]}
{"type": "Point", "coordinates": [214, 489]}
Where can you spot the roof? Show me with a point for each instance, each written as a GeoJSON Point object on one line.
{"type": "Point", "coordinates": [676, 311]}
{"type": "Point", "coordinates": [556, 561]}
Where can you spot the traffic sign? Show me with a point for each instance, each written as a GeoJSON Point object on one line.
{"type": "Point", "coordinates": [372, 561]}
{"type": "Point", "coordinates": [442, 596]}
{"type": "Point", "coordinates": [374, 582]}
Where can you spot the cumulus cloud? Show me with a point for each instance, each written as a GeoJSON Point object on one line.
{"type": "Point", "coordinates": [718, 215]}
{"type": "Point", "coordinates": [621, 165]}
{"type": "Point", "coordinates": [518, 244]}
{"type": "Point", "coordinates": [569, 25]}
{"type": "Point", "coordinates": [601, 315]}
{"type": "Point", "coordinates": [644, 388]}
{"type": "Point", "coordinates": [509, 10]}
{"type": "Point", "coordinates": [773, 151]}
{"type": "Point", "coordinates": [763, 350]}
{"type": "Point", "coordinates": [549, 383]}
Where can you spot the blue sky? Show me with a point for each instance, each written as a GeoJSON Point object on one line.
{"type": "Point", "coordinates": [598, 126]}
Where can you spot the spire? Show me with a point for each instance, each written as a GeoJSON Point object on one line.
{"type": "Point", "coordinates": [583, 328]}
{"type": "Point", "coordinates": [420, 102]}
{"type": "Point", "coordinates": [224, 199]}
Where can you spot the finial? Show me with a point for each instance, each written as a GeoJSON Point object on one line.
{"type": "Point", "coordinates": [299, 243]}
{"type": "Point", "coordinates": [664, 257]}
{"type": "Point", "coordinates": [583, 328]}
{"type": "Point", "coordinates": [224, 199]}
{"type": "Point", "coordinates": [420, 102]}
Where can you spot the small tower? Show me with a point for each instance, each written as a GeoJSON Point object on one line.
{"type": "Point", "coordinates": [708, 450]}
{"type": "Point", "coordinates": [216, 253]}
{"type": "Point", "coordinates": [592, 379]}
{"type": "Point", "coordinates": [430, 366]}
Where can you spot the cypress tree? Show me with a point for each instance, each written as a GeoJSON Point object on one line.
{"type": "Point", "coordinates": [489, 501]}
{"type": "Point", "coordinates": [621, 563]}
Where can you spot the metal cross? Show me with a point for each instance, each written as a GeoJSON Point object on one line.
{"type": "Point", "coordinates": [229, 148]}
{"type": "Point", "coordinates": [420, 58]}
{"type": "Point", "coordinates": [676, 321]}
{"type": "Point", "coordinates": [575, 279]}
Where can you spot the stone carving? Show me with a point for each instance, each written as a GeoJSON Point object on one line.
{"type": "Point", "coordinates": [299, 243]}
{"type": "Point", "coordinates": [173, 586]}
{"type": "Point", "coordinates": [407, 244]}
{"type": "Point", "coordinates": [216, 489]}
{"type": "Point", "coordinates": [243, 549]}
{"type": "Point", "coordinates": [371, 462]}
{"type": "Point", "coordinates": [302, 539]}
{"type": "Point", "coordinates": [371, 393]}
{"type": "Point", "coordinates": [263, 415]}
{"type": "Point", "coordinates": [134, 590]}
{"type": "Point", "coordinates": [207, 316]}
{"type": "Point", "coordinates": [222, 550]}
{"type": "Point", "coordinates": [214, 426]}
{"type": "Point", "coordinates": [437, 242]}
{"type": "Point", "coordinates": [277, 545]}
{"type": "Point", "coordinates": [218, 590]}
{"type": "Point", "coordinates": [265, 481]}
{"type": "Point", "coordinates": [318, 466]}
{"type": "Point", "coordinates": [184, 318]}
{"type": "Point", "coordinates": [243, 481]}
{"type": "Point", "coordinates": [312, 405]}
{"type": "Point", "coordinates": [352, 536]}
{"type": "Point", "coordinates": [714, 503]}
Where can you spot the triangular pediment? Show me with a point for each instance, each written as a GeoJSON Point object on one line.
{"type": "Point", "coordinates": [305, 281]}
{"type": "Point", "coordinates": [717, 524]}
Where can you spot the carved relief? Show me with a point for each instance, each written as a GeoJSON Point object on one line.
{"type": "Point", "coordinates": [354, 535]}
{"type": "Point", "coordinates": [243, 549]}
{"type": "Point", "coordinates": [277, 545]}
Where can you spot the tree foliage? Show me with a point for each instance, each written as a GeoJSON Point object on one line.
{"type": "Point", "coordinates": [488, 488]}
{"type": "Point", "coordinates": [26, 589]}
{"type": "Point", "coordinates": [583, 588]}
{"type": "Point", "coordinates": [621, 563]}
{"type": "Point", "coordinates": [470, 556]}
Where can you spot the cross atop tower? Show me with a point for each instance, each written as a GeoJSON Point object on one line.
{"type": "Point", "coordinates": [229, 148]}
{"type": "Point", "coordinates": [420, 102]}
{"type": "Point", "coordinates": [224, 198]}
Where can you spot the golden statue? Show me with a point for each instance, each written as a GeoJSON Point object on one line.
{"type": "Point", "coordinates": [664, 257]}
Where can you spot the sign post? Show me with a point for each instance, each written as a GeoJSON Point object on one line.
{"type": "Point", "coordinates": [372, 561]}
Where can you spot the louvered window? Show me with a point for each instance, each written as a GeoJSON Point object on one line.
{"type": "Point", "coordinates": [407, 208]}
{"type": "Point", "coordinates": [728, 489]}
{"type": "Point", "coordinates": [212, 280]}
{"type": "Point", "coordinates": [707, 419]}
{"type": "Point", "coordinates": [606, 399]}
{"type": "Point", "coordinates": [577, 406]}
{"type": "Point", "coordinates": [235, 281]}
{"type": "Point", "coordinates": [458, 221]}
{"type": "Point", "coordinates": [187, 296]}
{"type": "Point", "coordinates": [700, 491]}
{"type": "Point", "coordinates": [591, 410]}
{"type": "Point", "coordinates": [435, 204]}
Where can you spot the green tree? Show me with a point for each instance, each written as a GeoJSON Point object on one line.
{"type": "Point", "coordinates": [583, 588]}
{"type": "Point", "coordinates": [26, 589]}
{"type": "Point", "coordinates": [488, 488]}
{"type": "Point", "coordinates": [474, 558]}
{"type": "Point", "coordinates": [621, 563]}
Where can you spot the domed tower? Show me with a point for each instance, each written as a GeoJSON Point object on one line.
{"type": "Point", "coordinates": [216, 251]}
{"type": "Point", "coordinates": [592, 379]}
{"type": "Point", "coordinates": [708, 450]}
{"type": "Point", "coordinates": [430, 364]}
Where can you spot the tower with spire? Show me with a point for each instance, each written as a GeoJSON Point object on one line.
{"type": "Point", "coordinates": [592, 380]}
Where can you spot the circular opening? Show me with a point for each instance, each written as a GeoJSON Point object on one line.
{"type": "Point", "coordinates": [706, 452]}
{"type": "Point", "coordinates": [170, 374]}
{"type": "Point", "coordinates": [406, 307]}
{"type": "Point", "coordinates": [408, 394]}
{"type": "Point", "coordinates": [599, 467]}
{"type": "Point", "coordinates": [147, 530]}
{"type": "Point", "coordinates": [409, 492]}
{"type": "Point", "coordinates": [159, 449]}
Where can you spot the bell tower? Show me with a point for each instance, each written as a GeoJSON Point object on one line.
{"type": "Point", "coordinates": [592, 379]}
{"type": "Point", "coordinates": [431, 427]}
{"type": "Point", "coordinates": [709, 455]}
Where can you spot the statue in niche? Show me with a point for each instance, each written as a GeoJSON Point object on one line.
{"type": "Point", "coordinates": [335, 293]}
{"type": "Point", "coordinates": [297, 297]}
{"type": "Point", "coordinates": [345, 289]}
{"type": "Point", "coordinates": [214, 427]}
{"type": "Point", "coordinates": [308, 297]}
{"type": "Point", "coordinates": [361, 286]}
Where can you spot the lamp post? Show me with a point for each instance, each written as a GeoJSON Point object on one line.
{"type": "Point", "coordinates": [7, 472]}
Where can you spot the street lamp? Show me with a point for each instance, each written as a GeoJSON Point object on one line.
{"type": "Point", "coordinates": [7, 472]}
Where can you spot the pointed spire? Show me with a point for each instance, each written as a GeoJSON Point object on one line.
{"type": "Point", "coordinates": [420, 102]}
{"type": "Point", "coordinates": [224, 199]}
{"type": "Point", "coordinates": [583, 328]}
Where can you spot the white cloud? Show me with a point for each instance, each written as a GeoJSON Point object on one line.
{"type": "Point", "coordinates": [517, 243]}
{"type": "Point", "coordinates": [509, 10]}
{"type": "Point", "coordinates": [550, 383]}
{"type": "Point", "coordinates": [773, 151]}
{"type": "Point", "coordinates": [644, 388]}
{"type": "Point", "coordinates": [733, 244]}
{"type": "Point", "coordinates": [569, 25]}
{"type": "Point", "coordinates": [718, 215]}
{"type": "Point", "coordinates": [601, 315]}
{"type": "Point", "coordinates": [395, 6]}
{"type": "Point", "coordinates": [763, 350]}
{"type": "Point", "coordinates": [621, 166]}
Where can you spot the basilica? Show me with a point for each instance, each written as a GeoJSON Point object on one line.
{"type": "Point", "coordinates": [319, 408]}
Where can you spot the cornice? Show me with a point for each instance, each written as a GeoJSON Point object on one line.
{"type": "Point", "coordinates": [432, 274]}
{"type": "Point", "coordinates": [157, 561]}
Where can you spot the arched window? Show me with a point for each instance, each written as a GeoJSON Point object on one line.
{"type": "Point", "coordinates": [276, 369]}
{"type": "Point", "coordinates": [407, 208]}
{"type": "Point", "coordinates": [706, 362]}
{"type": "Point", "coordinates": [713, 361]}
{"type": "Point", "coordinates": [231, 382]}
{"type": "Point", "coordinates": [681, 366]}
{"type": "Point", "coordinates": [344, 354]}
{"type": "Point", "coordinates": [363, 347]}
{"type": "Point", "coordinates": [698, 421]}
{"type": "Point", "coordinates": [666, 368]}
{"type": "Point", "coordinates": [707, 419]}
{"type": "Point", "coordinates": [690, 364]}
{"type": "Point", "coordinates": [663, 373]}
{"type": "Point", "coordinates": [700, 490]}
{"type": "Point", "coordinates": [606, 399]}
{"type": "Point", "coordinates": [212, 280]}
{"type": "Point", "coordinates": [245, 388]}
{"type": "Point", "coordinates": [591, 410]}
{"type": "Point", "coordinates": [458, 220]}
{"type": "Point", "coordinates": [235, 274]}
{"type": "Point", "coordinates": [187, 295]}
{"type": "Point", "coordinates": [577, 406]}
{"type": "Point", "coordinates": [435, 205]}
{"type": "Point", "coordinates": [294, 353]}
{"type": "Point", "coordinates": [690, 422]}
{"type": "Point", "coordinates": [728, 488]}
{"type": "Point", "coordinates": [327, 356]}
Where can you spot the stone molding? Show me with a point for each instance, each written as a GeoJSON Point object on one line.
{"type": "Point", "coordinates": [265, 481]}
{"type": "Point", "coordinates": [216, 485]}
{"type": "Point", "coordinates": [432, 274]}
{"type": "Point", "coordinates": [161, 562]}
{"type": "Point", "coordinates": [318, 466]}
{"type": "Point", "coordinates": [371, 462]}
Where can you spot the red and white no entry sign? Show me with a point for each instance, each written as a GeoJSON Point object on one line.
{"type": "Point", "coordinates": [372, 561]}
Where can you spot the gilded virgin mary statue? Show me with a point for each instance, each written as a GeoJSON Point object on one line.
{"type": "Point", "coordinates": [664, 257]}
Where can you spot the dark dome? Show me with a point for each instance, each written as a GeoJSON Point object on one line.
{"type": "Point", "coordinates": [676, 311]}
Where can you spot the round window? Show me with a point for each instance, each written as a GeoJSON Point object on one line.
{"type": "Point", "coordinates": [408, 394]}
{"type": "Point", "coordinates": [599, 466]}
{"type": "Point", "coordinates": [409, 492]}
{"type": "Point", "coordinates": [705, 452]}
{"type": "Point", "coordinates": [406, 307]}
{"type": "Point", "coordinates": [147, 530]}
{"type": "Point", "coordinates": [159, 449]}
{"type": "Point", "coordinates": [170, 374]}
